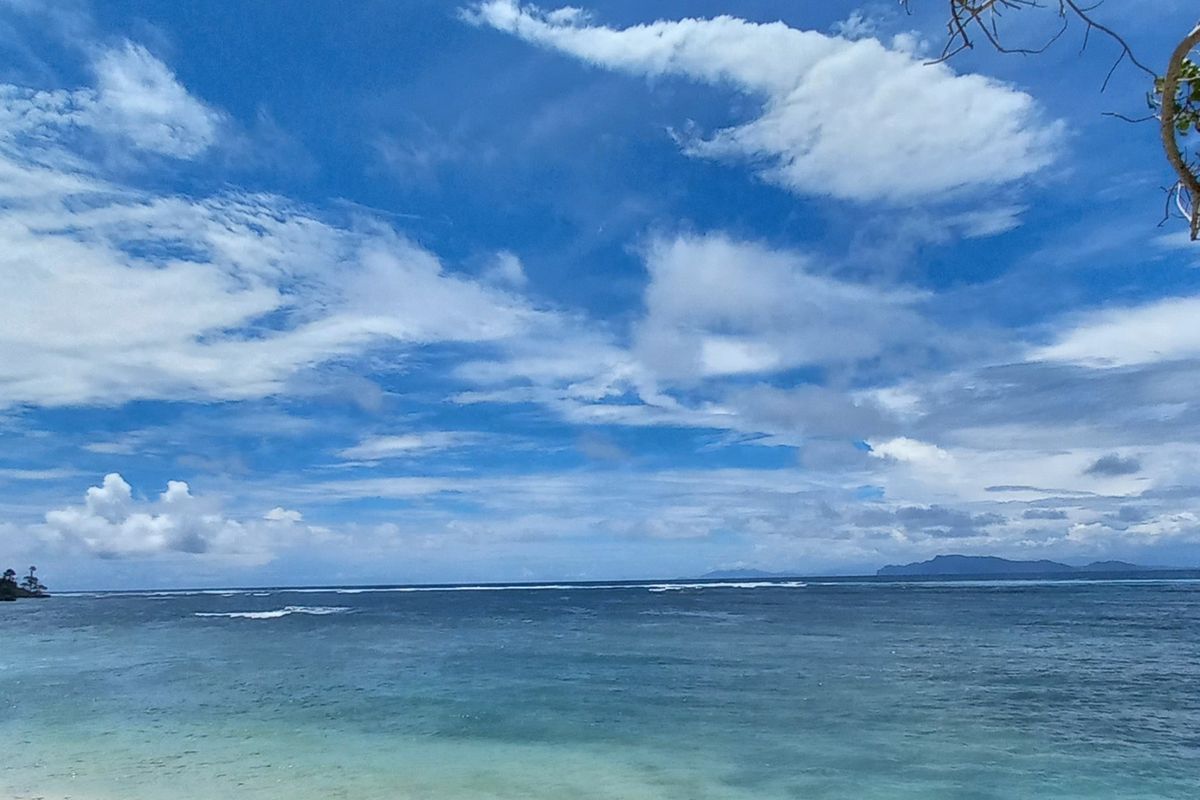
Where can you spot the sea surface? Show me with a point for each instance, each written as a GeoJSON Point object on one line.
{"type": "Point", "coordinates": [794, 689]}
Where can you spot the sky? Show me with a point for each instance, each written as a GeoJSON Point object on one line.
{"type": "Point", "coordinates": [401, 292]}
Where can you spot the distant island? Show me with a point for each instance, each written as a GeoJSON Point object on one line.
{"type": "Point", "coordinates": [29, 586]}
{"type": "Point", "coordinates": [991, 565]}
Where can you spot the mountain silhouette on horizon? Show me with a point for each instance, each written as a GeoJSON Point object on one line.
{"type": "Point", "coordinates": [993, 565]}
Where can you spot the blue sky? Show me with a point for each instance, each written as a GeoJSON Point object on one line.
{"type": "Point", "coordinates": [406, 292]}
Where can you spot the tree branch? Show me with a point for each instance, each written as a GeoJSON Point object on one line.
{"type": "Point", "coordinates": [1170, 108]}
{"type": "Point", "coordinates": [1126, 51]}
{"type": "Point", "coordinates": [982, 16]}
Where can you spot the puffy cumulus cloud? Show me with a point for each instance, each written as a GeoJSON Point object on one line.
{"type": "Point", "coordinates": [109, 294]}
{"type": "Point", "coordinates": [1164, 330]}
{"type": "Point", "coordinates": [716, 306]}
{"type": "Point", "coordinates": [910, 451]}
{"type": "Point", "coordinates": [845, 117]}
{"type": "Point", "coordinates": [281, 514]}
{"type": "Point", "coordinates": [112, 523]}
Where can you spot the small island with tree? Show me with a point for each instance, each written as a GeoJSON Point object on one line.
{"type": "Point", "coordinates": [29, 586]}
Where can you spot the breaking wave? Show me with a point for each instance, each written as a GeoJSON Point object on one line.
{"type": "Point", "coordinates": [533, 587]}
{"type": "Point", "coordinates": [651, 586]}
{"type": "Point", "coordinates": [316, 611]}
{"type": "Point", "coordinates": [676, 587]}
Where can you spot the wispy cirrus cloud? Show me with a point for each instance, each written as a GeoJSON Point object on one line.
{"type": "Point", "coordinates": [138, 97]}
{"type": "Point", "coordinates": [110, 293]}
{"type": "Point", "coordinates": [375, 448]}
{"type": "Point", "coordinates": [1162, 330]}
{"type": "Point", "coordinates": [136, 101]}
{"type": "Point", "coordinates": [851, 118]}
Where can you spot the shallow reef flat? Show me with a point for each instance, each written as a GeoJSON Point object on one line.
{"type": "Point", "coordinates": [784, 689]}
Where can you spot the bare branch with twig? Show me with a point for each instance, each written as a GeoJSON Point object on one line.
{"type": "Point", "coordinates": [971, 18]}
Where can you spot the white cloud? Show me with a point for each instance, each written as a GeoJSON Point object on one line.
{"type": "Point", "coordinates": [856, 26]}
{"type": "Point", "coordinates": [280, 514]}
{"type": "Point", "coordinates": [137, 96]}
{"type": "Point", "coordinates": [901, 401]}
{"type": "Point", "coordinates": [1164, 330]}
{"type": "Point", "coordinates": [380, 447]}
{"type": "Point", "coordinates": [53, 474]}
{"type": "Point", "coordinates": [847, 118]}
{"type": "Point", "coordinates": [111, 523]}
{"type": "Point", "coordinates": [136, 101]}
{"type": "Point", "coordinates": [506, 269]}
{"type": "Point", "coordinates": [716, 306]}
{"type": "Point", "coordinates": [93, 312]}
{"type": "Point", "coordinates": [109, 294]}
{"type": "Point", "coordinates": [1026, 471]}
{"type": "Point", "coordinates": [1183, 524]}
{"type": "Point", "coordinates": [806, 517]}
{"type": "Point", "coordinates": [111, 448]}
{"type": "Point", "coordinates": [910, 451]}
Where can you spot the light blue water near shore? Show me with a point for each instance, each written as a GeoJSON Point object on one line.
{"type": "Point", "coordinates": [817, 690]}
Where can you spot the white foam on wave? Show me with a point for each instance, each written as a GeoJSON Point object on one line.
{"type": "Point", "coordinates": [164, 594]}
{"type": "Point", "coordinates": [657, 586]}
{"type": "Point", "coordinates": [316, 611]}
{"type": "Point", "coordinates": [533, 587]}
{"type": "Point", "coordinates": [483, 587]}
{"type": "Point", "coordinates": [677, 587]}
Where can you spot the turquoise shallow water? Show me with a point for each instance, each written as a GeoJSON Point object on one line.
{"type": "Point", "coordinates": [821, 690]}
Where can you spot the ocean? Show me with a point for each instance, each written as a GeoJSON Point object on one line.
{"type": "Point", "coordinates": [811, 688]}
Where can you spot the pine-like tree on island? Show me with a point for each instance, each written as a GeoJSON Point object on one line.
{"type": "Point", "coordinates": [29, 586]}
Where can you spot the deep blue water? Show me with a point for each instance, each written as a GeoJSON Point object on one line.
{"type": "Point", "coordinates": [827, 689]}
